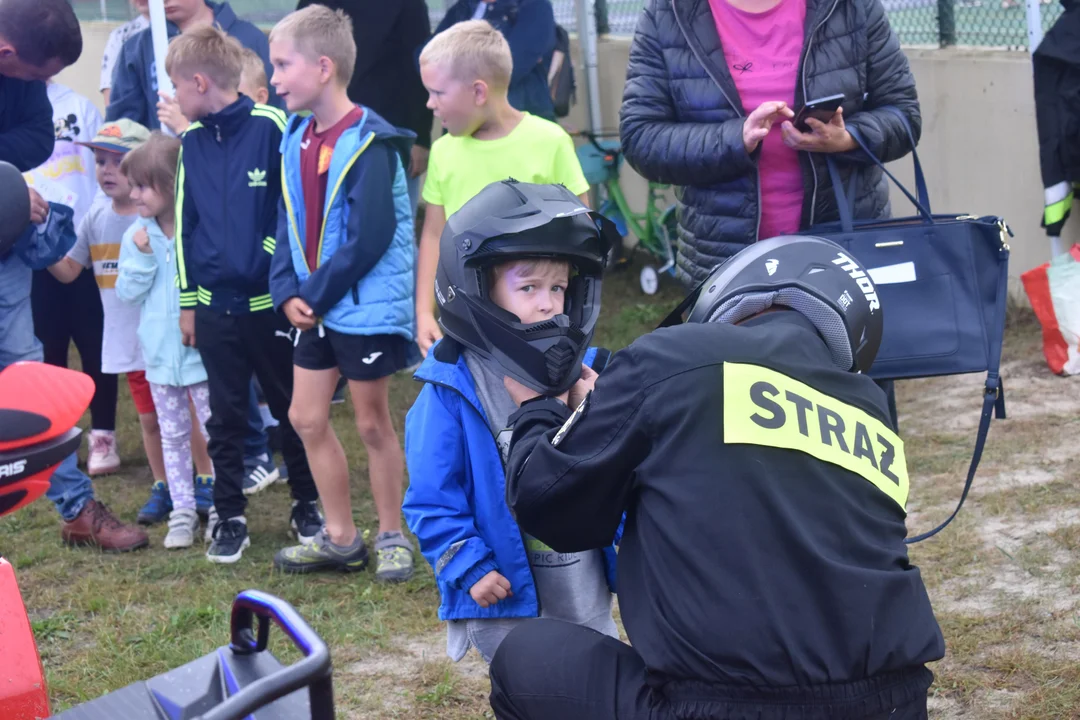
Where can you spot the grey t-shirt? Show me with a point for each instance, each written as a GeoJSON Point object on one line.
{"type": "Point", "coordinates": [569, 586]}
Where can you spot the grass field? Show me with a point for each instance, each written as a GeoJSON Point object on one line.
{"type": "Point", "coordinates": [1003, 578]}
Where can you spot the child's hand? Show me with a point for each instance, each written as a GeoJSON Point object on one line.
{"type": "Point", "coordinates": [169, 115]}
{"type": "Point", "coordinates": [427, 331]}
{"type": "Point", "coordinates": [39, 209]}
{"type": "Point", "coordinates": [490, 589]}
{"type": "Point", "coordinates": [582, 387]}
{"type": "Point", "coordinates": [142, 241]}
{"type": "Point", "coordinates": [521, 394]}
{"type": "Point", "coordinates": [187, 327]}
{"type": "Point", "coordinates": [299, 313]}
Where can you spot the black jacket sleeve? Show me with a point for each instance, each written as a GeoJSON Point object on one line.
{"type": "Point", "coordinates": [569, 476]}
{"type": "Point", "coordinates": [889, 81]}
{"type": "Point", "coordinates": [371, 228]}
{"type": "Point", "coordinates": [28, 141]}
{"type": "Point", "coordinates": [656, 143]}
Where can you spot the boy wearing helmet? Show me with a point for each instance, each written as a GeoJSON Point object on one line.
{"type": "Point", "coordinates": [750, 434]}
{"type": "Point", "coordinates": [518, 285]}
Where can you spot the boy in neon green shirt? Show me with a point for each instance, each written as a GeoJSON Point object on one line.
{"type": "Point", "coordinates": [466, 70]}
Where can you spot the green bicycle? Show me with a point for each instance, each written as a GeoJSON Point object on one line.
{"type": "Point", "coordinates": [654, 229]}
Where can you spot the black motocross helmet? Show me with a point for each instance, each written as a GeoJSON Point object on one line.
{"type": "Point", "coordinates": [506, 221]}
{"type": "Point", "coordinates": [14, 207]}
{"type": "Point", "coordinates": [811, 275]}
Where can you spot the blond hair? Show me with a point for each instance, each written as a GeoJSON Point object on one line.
{"type": "Point", "coordinates": [209, 52]}
{"type": "Point", "coordinates": [153, 164]}
{"type": "Point", "coordinates": [254, 70]}
{"type": "Point", "coordinates": [317, 31]}
{"type": "Point", "coordinates": [527, 267]}
{"type": "Point", "coordinates": [472, 50]}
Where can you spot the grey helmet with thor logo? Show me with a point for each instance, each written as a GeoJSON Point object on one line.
{"type": "Point", "coordinates": [509, 221]}
{"type": "Point", "coordinates": [811, 275]}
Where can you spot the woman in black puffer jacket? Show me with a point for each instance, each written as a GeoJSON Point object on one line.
{"type": "Point", "coordinates": [683, 121]}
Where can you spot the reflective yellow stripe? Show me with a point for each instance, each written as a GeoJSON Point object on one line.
{"type": "Point", "coordinates": [181, 270]}
{"type": "Point", "coordinates": [337, 186]}
{"type": "Point", "coordinates": [193, 126]}
{"type": "Point", "coordinates": [188, 299]}
{"type": "Point", "coordinates": [269, 244]}
{"type": "Point", "coordinates": [764, 407]}
{"type": "Point", "coordinates": [262, 302]}
{"type": "Point", "coordinates": [204, 295]}
{"type": "Point", "coordinates": [1056, 212]}
{"type": "Point", "coordinates": [271, 113]}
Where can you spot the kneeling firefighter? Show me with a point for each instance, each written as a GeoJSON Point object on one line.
{"type": "Point", "coordinates": [763, 572]}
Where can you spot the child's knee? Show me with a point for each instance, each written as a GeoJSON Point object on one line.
{"type": "Point", "coordinates": [308, 423]}
{"type": "Point", "coordinates": [149, 424]}
{"type": "Point", "coordinates": [375, 428]}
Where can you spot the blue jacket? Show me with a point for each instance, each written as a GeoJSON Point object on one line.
{"type": "Point", "coordinates": [134, 93]}
{"type": "Point", "coordinates": [147, 279]}
{"type": "Point", "coordinates": [529, 29]}
{"type": "Point", "coordinates": [228, 186]}
{"type": "Point", "coordinates": [365, 279]}
{"type": "Point", "coordinates": [32, 251]}
{"type": "Point", "coordinates": [26, 123]}
{"type": "Point", "coordinates": [456, 500]}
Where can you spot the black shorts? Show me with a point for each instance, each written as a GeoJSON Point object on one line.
{"type": "Point", "coordinates": [357, 357]}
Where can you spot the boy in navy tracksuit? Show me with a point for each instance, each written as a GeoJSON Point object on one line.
{"type": "Point", "coordinates": [228, 189]}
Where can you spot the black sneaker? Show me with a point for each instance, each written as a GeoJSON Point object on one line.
{"type": "Point", "coordinates": [305, 520]}
{"type": "Point", "coordinates": [230, 539]}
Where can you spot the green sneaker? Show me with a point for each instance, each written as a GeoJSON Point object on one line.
{"type": "Point", "coordinates": [395, 558]}
{"type": "Point", "coordinates": [321, 554]}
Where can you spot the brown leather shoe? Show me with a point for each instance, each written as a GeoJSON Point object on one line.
{"type": "Point", "coordinates": [98, 527]}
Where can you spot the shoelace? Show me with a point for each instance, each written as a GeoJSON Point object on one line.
{"type": "Point", "coordinates": [102, 518]}
{"type": "Point", "coordinates": [99, 444]}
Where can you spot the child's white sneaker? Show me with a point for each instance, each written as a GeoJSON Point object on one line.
{"type": "Point", "coordinates": [183, 524]}
{"type": "Point", "coordinates": [104, 457]}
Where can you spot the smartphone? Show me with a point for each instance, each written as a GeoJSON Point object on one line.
{"type": "Point", "coordinates": [823, 109]}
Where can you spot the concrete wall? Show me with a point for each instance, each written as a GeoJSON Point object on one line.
{"type": "Point", "coordinates": [979, 147]}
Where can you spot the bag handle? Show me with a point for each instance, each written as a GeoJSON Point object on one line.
{"type": "Point", "coordinates": [920, 179]}
{"type": "Point", "coordinates": [845, 206]}
{"type": "Point", "coordinates": [993, 395]}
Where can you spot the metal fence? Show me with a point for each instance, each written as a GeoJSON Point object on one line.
{"type": "Point", "coordinates": [933, 23]}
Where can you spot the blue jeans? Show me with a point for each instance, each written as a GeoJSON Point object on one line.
{"type": "Point", "coordinates": [70, 488]}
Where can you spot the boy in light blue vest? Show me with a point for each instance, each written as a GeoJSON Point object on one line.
{"type": "Point", "coordinates": [343, 273]}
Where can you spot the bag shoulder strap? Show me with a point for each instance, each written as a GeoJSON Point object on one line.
{"type": "Point", "coordinates": [993, 394]}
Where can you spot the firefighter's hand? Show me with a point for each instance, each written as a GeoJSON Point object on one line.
{"type": "Point", "coordinates": [490, 589]}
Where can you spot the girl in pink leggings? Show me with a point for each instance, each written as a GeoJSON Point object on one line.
{"type": "Point", "coordinates": [175, 372]}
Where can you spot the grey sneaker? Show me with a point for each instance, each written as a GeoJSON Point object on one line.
{"type": "Point", "coordinates": [321, 554]}
{"type": "Point", "coordinates": [183, 524]}
{"type": "Point", "coordinates": [394, 562]}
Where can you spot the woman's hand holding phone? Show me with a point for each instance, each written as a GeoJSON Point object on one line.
{"type": "Point", "coordinates": [824, 137]}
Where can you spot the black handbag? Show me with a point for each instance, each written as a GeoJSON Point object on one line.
{"type": "Point", "coordinates": [942, 282]}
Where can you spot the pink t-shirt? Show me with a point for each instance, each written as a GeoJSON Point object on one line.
{"type": "Point", "coordinates": [762, 51]}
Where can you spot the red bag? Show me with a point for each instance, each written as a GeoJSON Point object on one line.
{"type": "Point", "coordinates": [1054, 291]}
